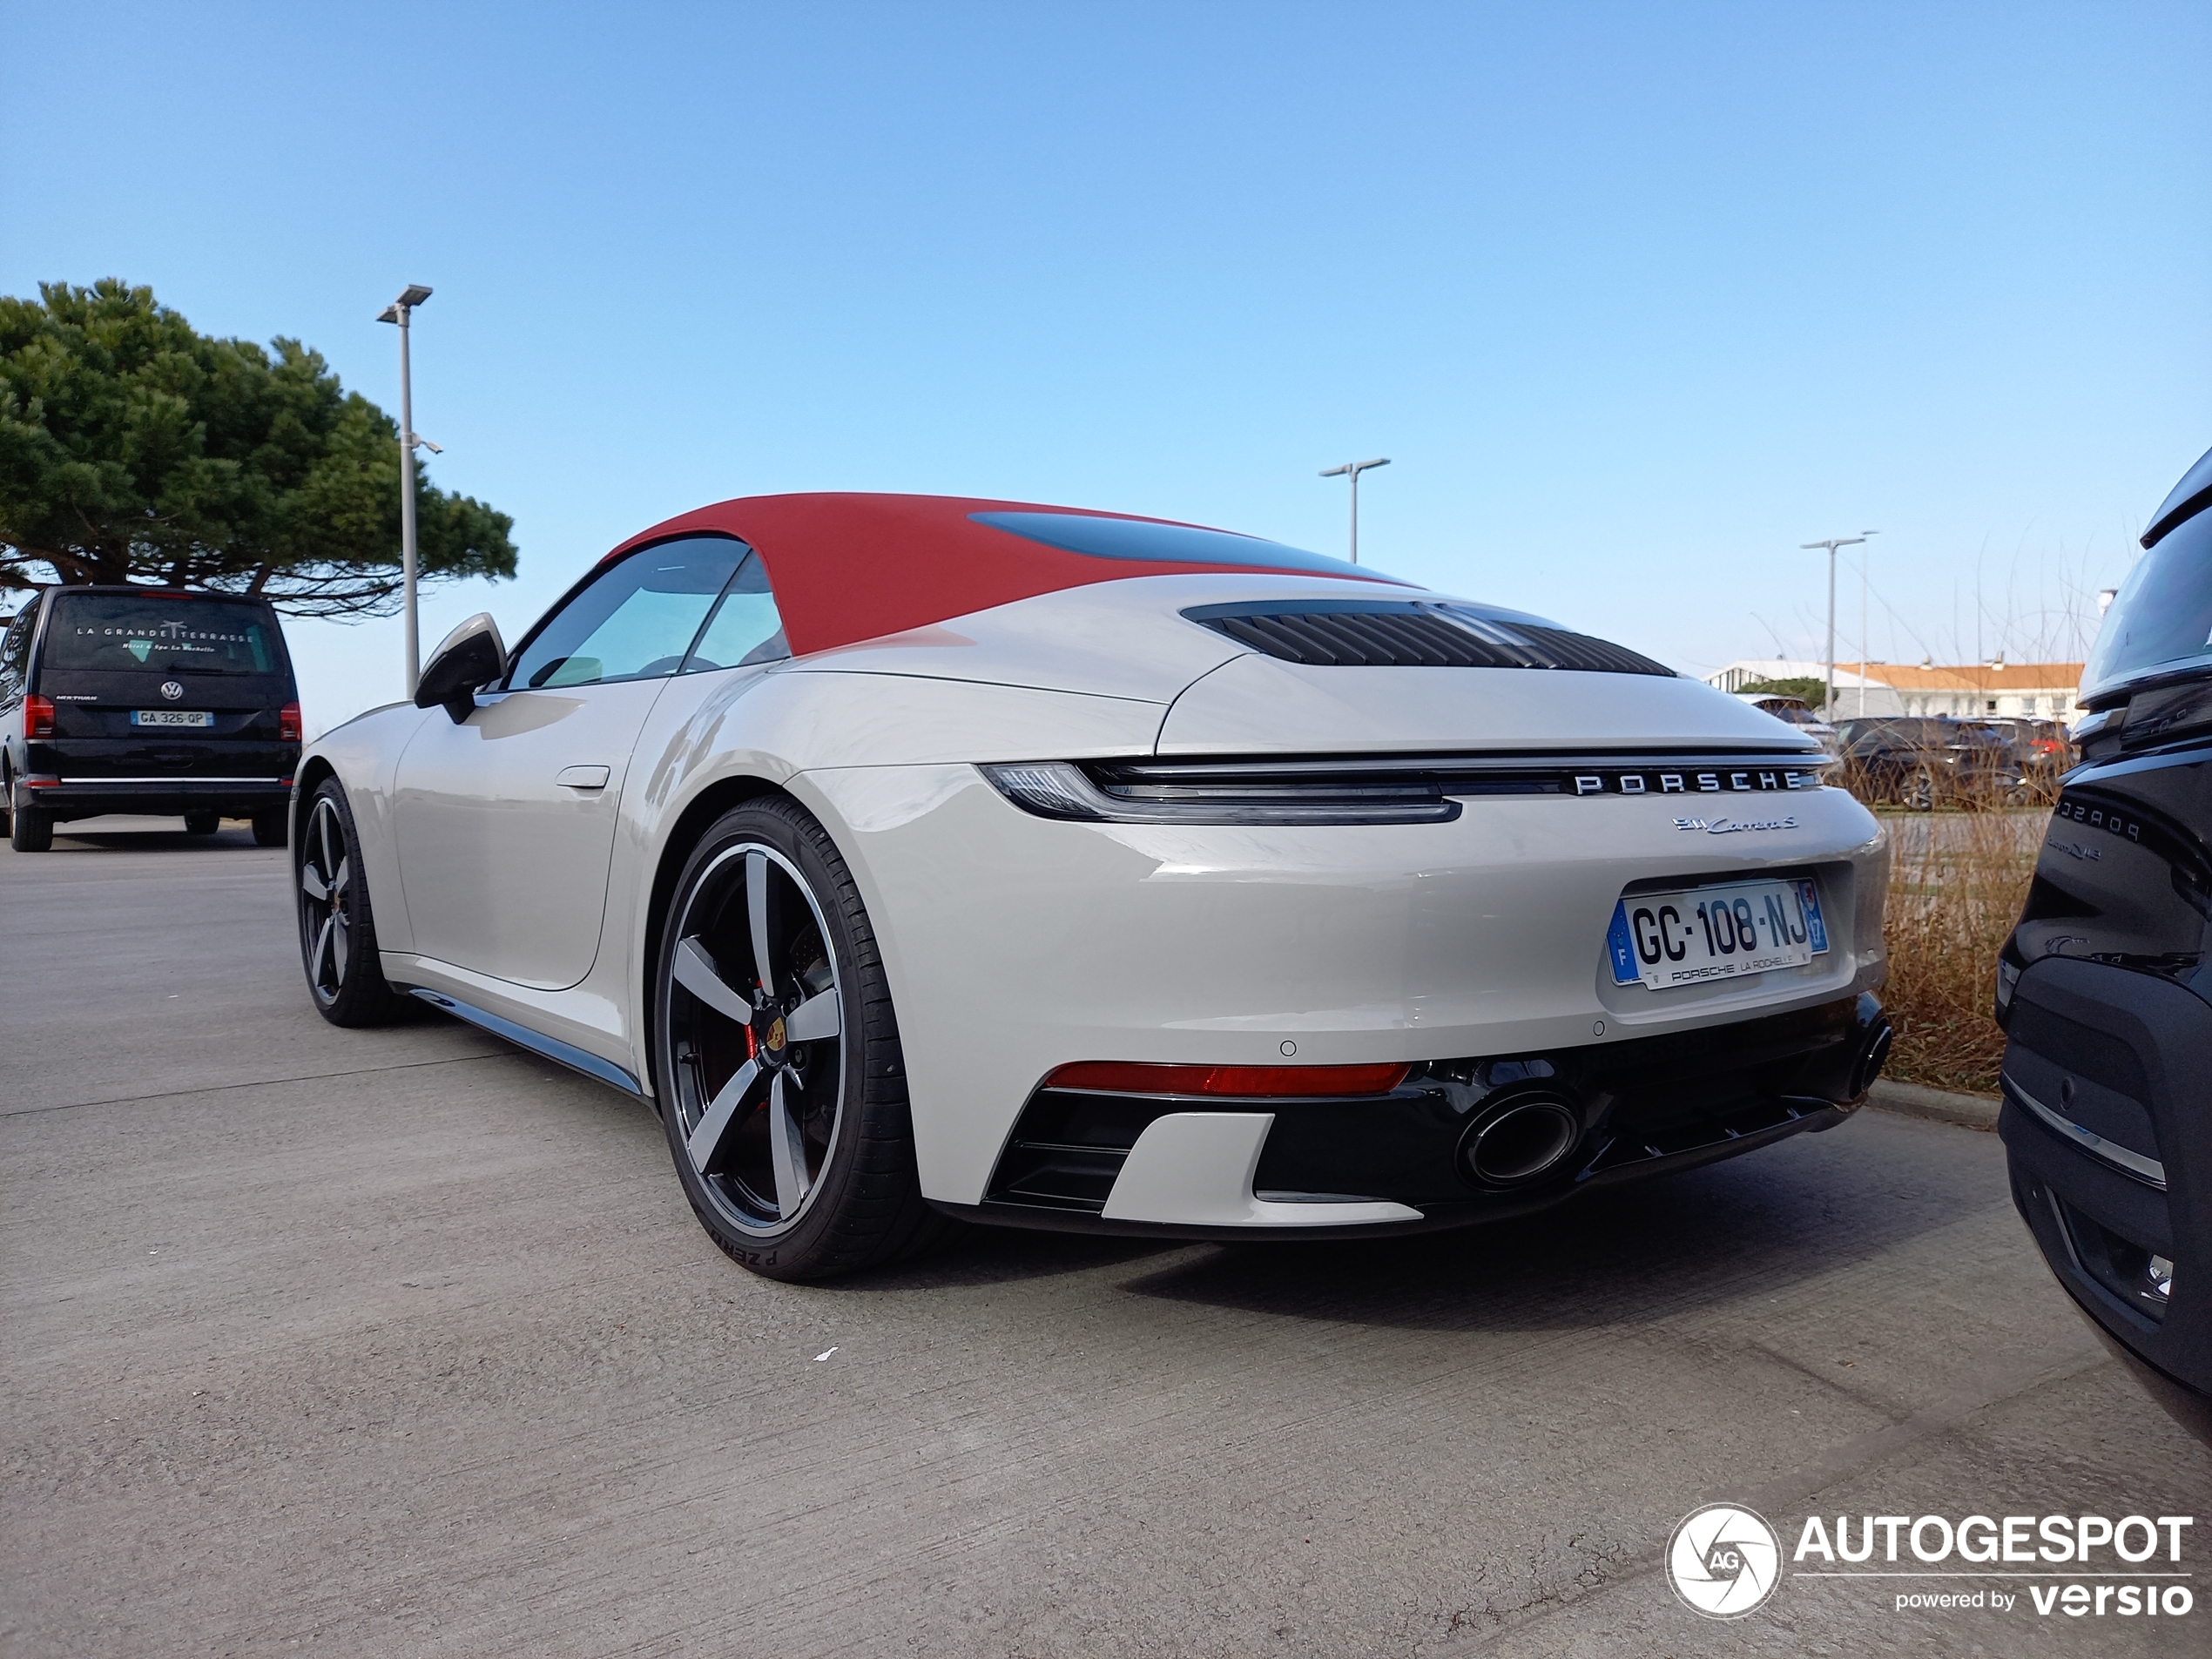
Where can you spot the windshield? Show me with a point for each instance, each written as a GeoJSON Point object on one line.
{"type": "Point", "coordinates": [2161, 621]}
{"type": "Point", "coordinates": [162, 634]}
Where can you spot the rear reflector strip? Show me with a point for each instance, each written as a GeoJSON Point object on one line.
{"type": "Point", "coordinates": [1127, 1077]}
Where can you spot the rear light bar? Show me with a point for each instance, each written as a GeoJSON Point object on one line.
{"type": "Point", "coordinates": [1058, 789]}
{"type": "Point", "coordinates": [37, 717]}
{"type": "Point", "coordinates": [1129, 1077]}
{"type": "Point", "coordinates": [1375, 789]}
{"type": "Point", "coordinates": [288, 722]}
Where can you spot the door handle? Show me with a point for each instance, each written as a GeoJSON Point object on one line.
{"type": "Point", "coordinates": [582, 778]}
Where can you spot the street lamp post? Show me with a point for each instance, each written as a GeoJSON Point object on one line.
{"type": "Point", "coordinates": [398, 311]}
{"type": "Point", "coordinates": [1828, 699]}
{"type": "Point", "coordinates": [1351, 470]}
{"type": "Point", "coordinates": [1862, 625]}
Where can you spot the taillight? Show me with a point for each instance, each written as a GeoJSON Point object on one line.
{"type": "Point", "coordinates": [37, 718]}
{"type": "Point", "coordinates": [288, 722]}
{"type": "Point", "coordinates": [1134, 1078]}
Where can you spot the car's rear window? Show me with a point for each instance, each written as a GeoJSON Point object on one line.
{"type": "Point", "coordinates": [121, 631]}
{"type": "Point", "coordinates": [1100, 537]}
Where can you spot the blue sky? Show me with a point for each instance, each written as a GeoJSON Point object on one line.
{"type": "Point", "coordinates": [1637, 298]}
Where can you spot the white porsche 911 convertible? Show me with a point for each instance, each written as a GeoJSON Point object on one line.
{"type": "Point", "coordinates": [919, 857]}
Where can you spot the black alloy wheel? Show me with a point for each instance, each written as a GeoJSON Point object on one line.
{"type": "Point", "coordinates": [337, 930]}
{"type": "Point", "coordinates": [777, 1054]}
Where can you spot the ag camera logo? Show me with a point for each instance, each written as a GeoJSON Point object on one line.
{"type": "Point", "coordinates": [1723, 1561]}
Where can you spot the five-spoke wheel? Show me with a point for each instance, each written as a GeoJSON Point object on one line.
{"type": "Point", "coordinates": [755, 1021]}
{"type": "Point", "coordinates": [337, 932]}
{"type": "Point", "coordinates": [776, 1054]}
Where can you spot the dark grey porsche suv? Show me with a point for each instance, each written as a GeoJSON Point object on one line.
{"type": "Point", "coordinates": [118, 699]}
{"type": "Point", "coordinates": [2105, 987]}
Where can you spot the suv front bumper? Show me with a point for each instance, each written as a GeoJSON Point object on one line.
{"type": "Point", "coordinates": [2109, 1140]}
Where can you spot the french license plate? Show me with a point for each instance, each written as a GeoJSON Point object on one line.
{"type": "Point", "coordinates": [1667, 939]}
{"type": "Point", "coordinates": [172, 717]}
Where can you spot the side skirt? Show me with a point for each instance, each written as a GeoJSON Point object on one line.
{"type": "Point", "coordinates": [573, 1058]}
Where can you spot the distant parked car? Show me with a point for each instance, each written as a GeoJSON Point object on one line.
{"type": "Point", "coordinates": [2042, 753]}
{"type": "Point", "coordinates": [1793, 711]}
{"type": "Point", "coordinates": [2105, 987]}
{"type": "Point", "coordinates": [1921, 762]}
{"type": "Point", "coordinates": [123, 699]}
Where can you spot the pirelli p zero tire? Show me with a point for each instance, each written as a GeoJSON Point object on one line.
{"type": "Point", "coordinates": [337, 926]}
{"type": "Point", "coordinates": [777, 1057]}
{"type": "Point", "coordinates": [32, 830]}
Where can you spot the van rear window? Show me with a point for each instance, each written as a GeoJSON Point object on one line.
{"type": "Point", "coordinates": [119, 632]}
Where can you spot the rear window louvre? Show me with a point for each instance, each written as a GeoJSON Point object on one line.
{"type": "Point", "coordinates": [1414, 635]}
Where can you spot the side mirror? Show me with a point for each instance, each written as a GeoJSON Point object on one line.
{"type": "Point", "coordinates": [472, 655]}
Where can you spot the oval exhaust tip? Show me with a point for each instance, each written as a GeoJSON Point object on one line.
{"type": "Point", "coordinates": [1873, 1055]}
{"type": "Point", "coordinates": [1525, 1142]}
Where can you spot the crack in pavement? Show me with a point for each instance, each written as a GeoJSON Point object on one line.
{"type": "Point", "coordinates": [1996, 1386]}
{"type": "Point", "coordinates": [265, 1082]}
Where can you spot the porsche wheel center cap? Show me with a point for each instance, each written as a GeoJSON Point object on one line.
{"type": "Point", "coordinates": [773, 1037]}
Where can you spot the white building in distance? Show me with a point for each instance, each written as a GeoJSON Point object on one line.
{"type": "Point", "coordinates": [1975, 691]}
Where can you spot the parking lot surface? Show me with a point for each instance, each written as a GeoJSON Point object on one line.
{"type": "Point", "coordinates": [405, 1342]}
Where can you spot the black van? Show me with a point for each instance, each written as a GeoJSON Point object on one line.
{"type": "Point", "coordinates": [145, 700]}
{"type": "Point", "coordinates": [2105, 987]}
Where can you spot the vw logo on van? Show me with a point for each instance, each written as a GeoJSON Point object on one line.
{"type": "Point", "coordinates": [172, 690]}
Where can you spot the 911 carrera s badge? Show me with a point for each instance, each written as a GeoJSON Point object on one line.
{"type": "Point", "coordinates": [775, 1033]}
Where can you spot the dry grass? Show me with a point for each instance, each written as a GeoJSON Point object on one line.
{"type": "Point", "coordinates": [1957, 882]}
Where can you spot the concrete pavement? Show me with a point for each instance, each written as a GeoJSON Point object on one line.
{"type": "Point", "coordinates": [405, 1342]}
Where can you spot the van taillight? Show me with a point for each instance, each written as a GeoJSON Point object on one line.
{"type": "Point", "coordinates": [288, 722]}
{"type": "Point", "coordinates": [37, 718]}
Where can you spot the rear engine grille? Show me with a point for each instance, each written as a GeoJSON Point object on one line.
{"type": "Point", "coordinates": [1387, 634]}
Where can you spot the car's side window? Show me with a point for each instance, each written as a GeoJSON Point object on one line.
{"type": "Point", "coordinates": [15, 645]}
{"type": "Point", "coordinates": [744, 629]}
{"type": "Point", "coordinates": [635, 620]}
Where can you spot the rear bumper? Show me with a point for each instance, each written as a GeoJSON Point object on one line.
{"type": "Point", "coordinates": [68, 797]}
{"type": "Point", "coordinates": [2109, 1139]}
{"type": "Point", "coordinates": [1183, 1166]}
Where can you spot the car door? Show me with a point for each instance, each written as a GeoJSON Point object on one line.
{"type": "Point", "coordinates": [505, 821]}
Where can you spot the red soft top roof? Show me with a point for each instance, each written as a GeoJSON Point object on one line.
{"type": "Point", "coordinates": [848, 567]}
